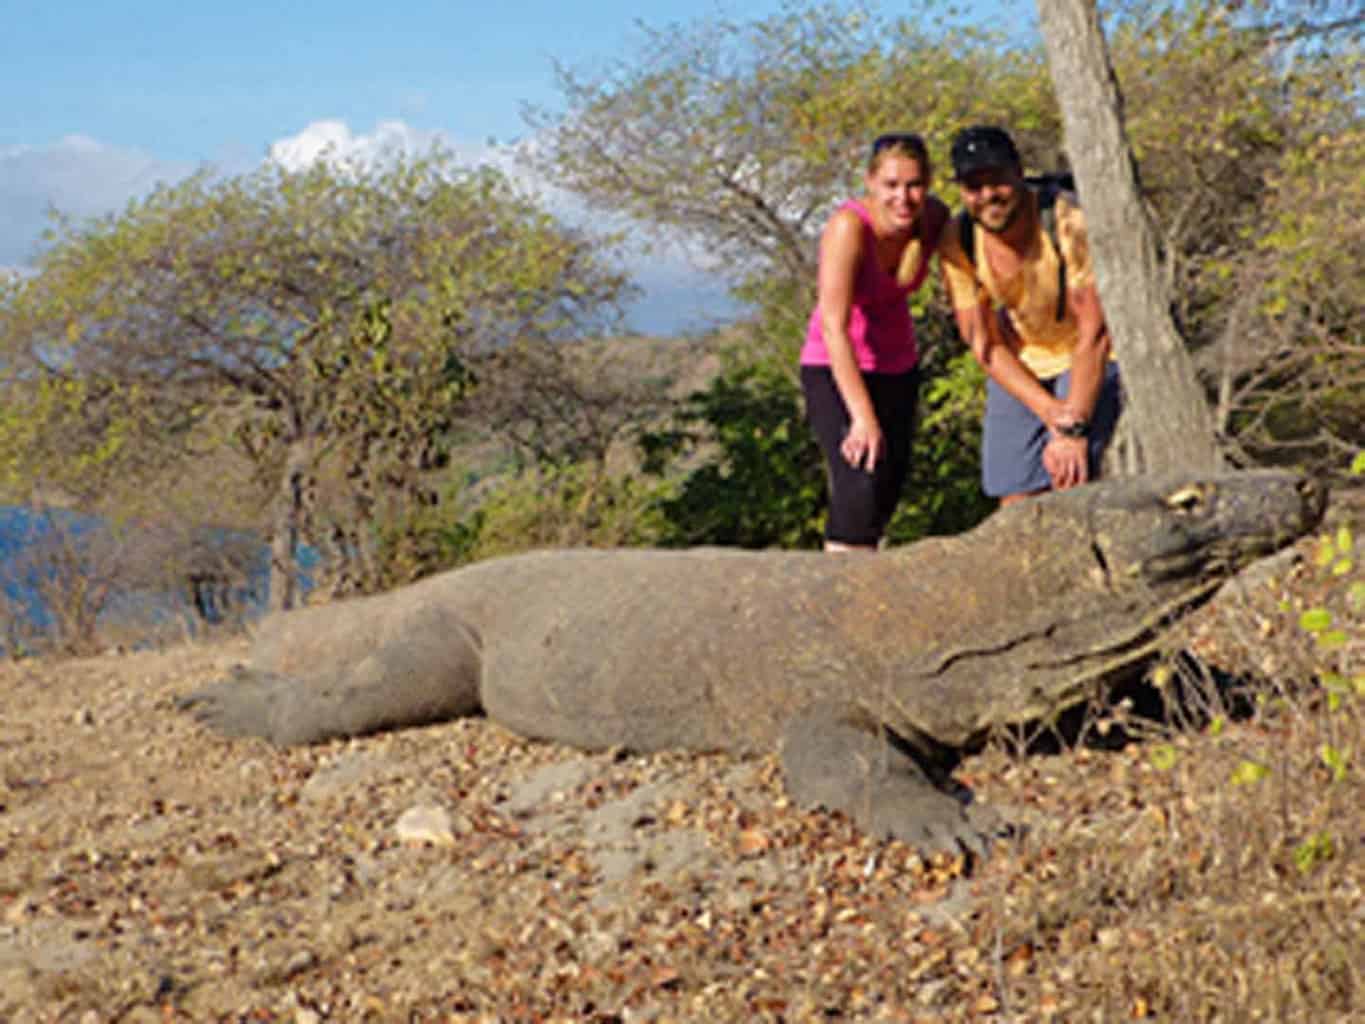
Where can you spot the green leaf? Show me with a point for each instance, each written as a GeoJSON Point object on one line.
{"type": "Point", "coordinates": [1315, 620]}
{"type": "Point", "coordinates": [1345, 542]}
{"type": "Point", "coordinates": [1332, 640]}
{"type": "Point", "coordinates": [1335, 683]}
{"type": "Point", "coordinates": [1358, 464]}
{"type": "Point", "coordinates": [1313, 851]}
{"type": "Point", "coordinates": [1248, 773]}
{"type": "Point", "coordinates": [1164, 757]}
{"type": "Point", "coordinates": [1335, 760]}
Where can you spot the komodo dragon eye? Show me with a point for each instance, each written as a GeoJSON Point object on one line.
{"type": "Point", "coordinates": [1187, 500]}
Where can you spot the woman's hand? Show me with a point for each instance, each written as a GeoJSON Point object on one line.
{"type": "Point", "coordinates": [864, 444]}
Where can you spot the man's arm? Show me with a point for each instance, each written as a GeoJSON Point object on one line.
{"type": "Point", "coordinates": [1091, 353]}
{"type": "Point", "coordinates": [1065, 458]}
{"type": "Point", "coordinates": [976, 323]}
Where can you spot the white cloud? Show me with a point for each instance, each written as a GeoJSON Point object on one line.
{"type": "Point", "coordinates": [335, 142]}
{"type": "Point", "coordinates": [76, 175]}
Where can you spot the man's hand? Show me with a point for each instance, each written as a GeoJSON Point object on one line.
{"type": "Point", "coordinates": [1067, 461]}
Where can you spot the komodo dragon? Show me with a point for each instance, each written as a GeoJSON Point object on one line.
{"type": "Point", "coordinates": [869, 670]}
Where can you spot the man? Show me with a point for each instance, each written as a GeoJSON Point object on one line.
{"type": "Point", "coordinates": [1036, 327]}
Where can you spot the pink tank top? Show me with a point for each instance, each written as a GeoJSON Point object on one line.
{"type": "Point", "coordinates": [879, 324]}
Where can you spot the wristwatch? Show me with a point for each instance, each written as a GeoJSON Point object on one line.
{"type": "Point", "coordinates": [1076, 428]}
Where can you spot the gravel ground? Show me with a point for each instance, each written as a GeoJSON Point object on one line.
{"type": "Point", "coordinates": [150, 871]}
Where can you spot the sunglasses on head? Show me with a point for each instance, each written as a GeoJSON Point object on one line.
{"type": "Point", "coordinates": [909, 140]}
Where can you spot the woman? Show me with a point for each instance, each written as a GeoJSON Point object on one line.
{"type": "Point", "coordinates": [860, 363]}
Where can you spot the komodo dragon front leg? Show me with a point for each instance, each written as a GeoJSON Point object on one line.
{"type": "Point", "coordinates": [413, 664]}
{"type": "Point", "coordinates": [835, 755]}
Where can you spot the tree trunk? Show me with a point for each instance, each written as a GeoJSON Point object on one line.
{"type": "Point", "coordinates": [284, 538]}
{"type": "Point", "coordinates": [1165, 405]}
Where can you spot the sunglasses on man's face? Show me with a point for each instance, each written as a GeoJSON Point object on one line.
{"type": "Point", "coordinates": [909, 140]}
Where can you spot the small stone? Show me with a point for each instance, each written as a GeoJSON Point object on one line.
{"type": "Point", "coordinates": [425, 823]}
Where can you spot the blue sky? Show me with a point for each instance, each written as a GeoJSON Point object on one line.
{"type": "Point", "coordinates": [191, 81]}
{"type": "Point", "coordinates": [106, 99]}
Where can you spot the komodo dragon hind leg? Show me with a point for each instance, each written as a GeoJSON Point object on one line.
{"type": "Point", "coordinates": [836, 756]}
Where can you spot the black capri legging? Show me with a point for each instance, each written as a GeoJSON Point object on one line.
{"type": "Point", "coordinates": [861, 503]}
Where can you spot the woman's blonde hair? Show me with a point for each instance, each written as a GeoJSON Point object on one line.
{"type": "Point", "coordinates": [900, 144]}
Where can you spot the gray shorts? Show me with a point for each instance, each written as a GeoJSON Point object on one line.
{"type": "Point", "coordinates": [1013, 438]}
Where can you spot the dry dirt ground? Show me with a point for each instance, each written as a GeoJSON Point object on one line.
{"type": "Point", "coordinates": [150, 871]}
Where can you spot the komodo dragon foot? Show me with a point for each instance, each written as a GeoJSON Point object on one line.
{"type": "Point", "coordinates": [244, 704]}
{"type": "Point", "coordinates": [836, 756]}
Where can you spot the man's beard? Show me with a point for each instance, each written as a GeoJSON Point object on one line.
{"type": "Point", "coordinates": [1010, 216]}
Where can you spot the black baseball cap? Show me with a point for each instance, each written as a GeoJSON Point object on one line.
{"type": "Point", "coordinates": [981, 147]}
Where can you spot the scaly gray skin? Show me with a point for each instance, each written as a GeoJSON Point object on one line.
{"type": "Point", "coordinates": [868, 670]}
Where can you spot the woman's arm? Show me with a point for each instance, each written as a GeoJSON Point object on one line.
{"type": "Point", "coordinates": [840, 252]}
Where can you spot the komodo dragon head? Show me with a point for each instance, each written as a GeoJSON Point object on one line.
{"type": "Point", "coordinates": [1173, 532]}
{"type": "Point", "coordinates": [1077, 587]}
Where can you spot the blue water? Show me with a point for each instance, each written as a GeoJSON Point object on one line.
{"type": "Point", "coordinates": [20, 527]}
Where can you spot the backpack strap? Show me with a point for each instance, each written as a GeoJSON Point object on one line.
{"type": "Point", "coordinates": [966, 235]}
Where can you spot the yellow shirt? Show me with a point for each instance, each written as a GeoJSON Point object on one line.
{"type": "Point", "coordinates": [1029, 297]}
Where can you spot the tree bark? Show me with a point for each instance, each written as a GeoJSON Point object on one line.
{"type": "Point", "coordinates": [288, 520]}
{"type": "Point", "coordinates": [1167, 412]}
